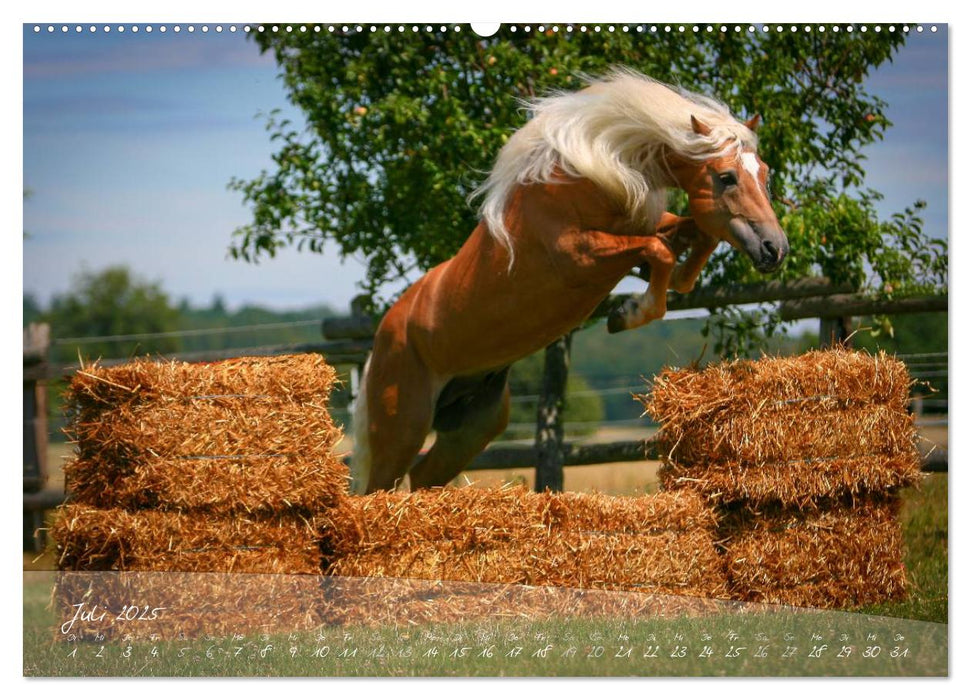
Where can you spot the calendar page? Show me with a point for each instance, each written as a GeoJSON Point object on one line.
{"type": "Point", "coordinates": [532, 349]}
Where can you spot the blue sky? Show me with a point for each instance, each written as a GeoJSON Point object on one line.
{"type": "Point", "coordinates": [129, 144]}
{"type": "Point", "coordinates": [130, 140]}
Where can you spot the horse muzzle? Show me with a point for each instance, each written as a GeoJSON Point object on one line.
{"type": "Point", "coordinates": [766, 245]}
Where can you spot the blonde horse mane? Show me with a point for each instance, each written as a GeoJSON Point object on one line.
{"type": "Point", "coordinates": [612, 133]}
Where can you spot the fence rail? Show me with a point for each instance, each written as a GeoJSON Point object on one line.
{"type": "Point", "coordinates": [841, 305]}
{"type": "Point", "coordinates": [501, 457]}
{"type": "Point", "coordinates": [741, 294]}
{"type": "Point", "coordinates": [348, 340]}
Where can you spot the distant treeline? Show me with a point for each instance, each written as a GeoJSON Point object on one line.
{"type": "Point", "coordinates": [187, 329]}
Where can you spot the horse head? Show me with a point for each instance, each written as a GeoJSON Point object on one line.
{"type": "Point", "coordinates": [728, 198]}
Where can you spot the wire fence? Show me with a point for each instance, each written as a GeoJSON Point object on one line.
{"type": "Point", "coordinates": [187, 333]}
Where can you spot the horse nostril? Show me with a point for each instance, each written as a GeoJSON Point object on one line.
{"type": "Point", "coordinates": [769, 251]}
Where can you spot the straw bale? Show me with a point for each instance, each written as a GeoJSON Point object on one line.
{"type": "Point", "coordinates": [847, 554]}
{"type": "Point", "coordinates": [467, 516]}
{"type": "Point", "coordinates": [472, 517]}
{"type": "Point", "coordinates": [393, 601]}
{"type": "Point", "coordinates": [94, 539]}
{"type": "Point", "coordinates": [669, 563]}
{"type": "Point", "coordinates": [824, 424]}
{"type": "Point", "coordinates": [219, 486]}
{"type": "Point", "coordinates": [233, 426]}
{"type": "Point", "coordinates": [798, 483]}
{"type": "Point", "coordinates": [144, 605]}
{"type": "Point", "coordinates": [252, 434]}
{"type": "Point", "coordinates": [295, 378]}
{"type": "Point", "coordinates": [680, 397]}
{"type": "Point", "coordinates": [653, 514]}
{"type": "Point", "coordinates": [183, 605]}
{"type": "Point", "coordinates": [658, 543]}
{"type": "Point", "coordinates": [812, 429]}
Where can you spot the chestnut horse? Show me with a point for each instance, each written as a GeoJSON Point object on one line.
{"type": "Point", "coordinates": [574, 202]}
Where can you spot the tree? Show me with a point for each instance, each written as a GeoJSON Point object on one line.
{"type": "Point", "coordinates": [113, 303]}
{"type": "Point", "coordinates": [401, 127]}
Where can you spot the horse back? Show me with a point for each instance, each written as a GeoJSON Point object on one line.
{"type": "Point", "coordinates": [477, 312]}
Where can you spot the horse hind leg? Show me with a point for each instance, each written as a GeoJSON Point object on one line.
{"type": "Point", "coordinates": [392, 419]}
{"type": "Point", "coordinates": [463, 429]}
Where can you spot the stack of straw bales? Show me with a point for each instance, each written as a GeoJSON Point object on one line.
{"type": "Point", "coordinates": [780, 477]}
{"type": "Point", "coordinates": [662, 544]}
{"type": "Point", "coordinates": [804, 457]}
{"type": "Point", "coordinates": [223, 467]}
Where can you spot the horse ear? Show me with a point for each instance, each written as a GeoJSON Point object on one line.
{"type": "Point", "coordinates": [699, 127]}
{"type": "Point", "coordinates": [753, 123]}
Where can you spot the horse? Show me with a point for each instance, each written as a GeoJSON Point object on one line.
{"type": "Point", "coordinates": [575, 200]}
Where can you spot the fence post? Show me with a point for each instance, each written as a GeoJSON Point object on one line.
{"type": "Point", "coordinates": [358, 311]}
{"type": "Point", "coordinates": [36, 347]}
{"type": "Point", "coordinates": [835, 331]}
{"type": "Point", "coordinates": [549, 415]}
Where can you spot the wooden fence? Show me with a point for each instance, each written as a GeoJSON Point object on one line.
{"type": "Point", "coordinates": [347, 341]}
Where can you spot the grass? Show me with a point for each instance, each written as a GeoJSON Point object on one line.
{"type": "Point", "coordinates": [924, 523]}
{"type": "Point", "coordinates": [813, 643]}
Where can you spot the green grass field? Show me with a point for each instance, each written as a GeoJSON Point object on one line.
{"type": "Point", "coordinates": [924, 522]}
{"type": "Point", "coordinates": [906, 638]}
{"type": "Point", "coordinates": [783, 644]}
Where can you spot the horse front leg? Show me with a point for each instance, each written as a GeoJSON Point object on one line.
{"type": "Point", "coordinates": [653, 304]}
{"type": "Point", "coordinates": [686, 273]}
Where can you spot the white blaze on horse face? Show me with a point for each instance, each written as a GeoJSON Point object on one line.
{"type": "Point", "coordinates": [750, 162]}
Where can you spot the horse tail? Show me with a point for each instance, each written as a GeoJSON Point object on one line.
{"type": "Point", "coordinates": [361, 457]}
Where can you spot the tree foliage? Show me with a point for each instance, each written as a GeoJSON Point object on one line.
{"type": "Point", "coordinates": [401, 127]}
{"type": "Point", "coordinates": [113, 302]}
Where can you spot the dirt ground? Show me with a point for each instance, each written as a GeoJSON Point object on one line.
{"type": "Point", "coordinates": [617, 479]}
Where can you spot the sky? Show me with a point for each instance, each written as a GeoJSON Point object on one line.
{"type": "Point", "coordinates": [130, 140]}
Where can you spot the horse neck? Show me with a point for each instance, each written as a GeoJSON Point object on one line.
{"type": "Point", "coordinates": [682, 171]}
{"type": "Point", "coordinates": [584, 204]}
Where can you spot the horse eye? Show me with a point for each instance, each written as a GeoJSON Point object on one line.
{"type": "Point", "coordinates": [728, 178]}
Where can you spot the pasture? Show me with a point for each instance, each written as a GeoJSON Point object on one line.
{"type": "Point", "coordinates": [726, 645]}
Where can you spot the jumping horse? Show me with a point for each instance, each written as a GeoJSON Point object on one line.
{"type": "Point", "coordinates": [575, 201]}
